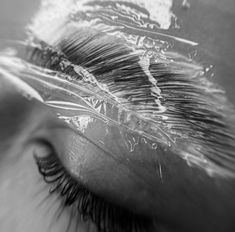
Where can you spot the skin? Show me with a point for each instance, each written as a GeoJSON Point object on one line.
{"type": "Point", "coordinates": [205, 203]}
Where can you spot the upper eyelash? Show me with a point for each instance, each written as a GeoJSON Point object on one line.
{"type": "Point", "coordinates": [106, 216]}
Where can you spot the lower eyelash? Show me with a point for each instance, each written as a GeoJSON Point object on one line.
{"type": "Point", "coordinates": [107, 217]}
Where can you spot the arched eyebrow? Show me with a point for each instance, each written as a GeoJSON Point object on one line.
{"type": "Point", "coordinates": [171, 95]}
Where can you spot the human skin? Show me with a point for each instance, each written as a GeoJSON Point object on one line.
{"type": "Point", "coordinates": [20, 181]}
{"type": "Point", "coordinates": [24, 193]}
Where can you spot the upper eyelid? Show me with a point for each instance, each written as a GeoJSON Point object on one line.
{"type": "Point", "coordinates": [50, 162]}
{"type": "Point", "coordinates": [98, 174]}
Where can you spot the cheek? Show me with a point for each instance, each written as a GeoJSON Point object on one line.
{"type": "Point", "coordinates": [25, 202]}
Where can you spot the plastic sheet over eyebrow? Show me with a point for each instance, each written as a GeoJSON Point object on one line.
{"type": "Point", "coordinates": [194, 112]}
{"type": "Point", "coordinates": [81, 98]}
{"type": "Point", "coordinates": [84, 97]}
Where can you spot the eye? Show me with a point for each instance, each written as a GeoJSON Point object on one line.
{"type": "Point", "coordinates": [76, 196]}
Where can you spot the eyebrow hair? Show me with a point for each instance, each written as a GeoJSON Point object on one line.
{"type": "Point", "coordinates": [195, 109]}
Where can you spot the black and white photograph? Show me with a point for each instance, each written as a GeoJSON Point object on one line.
{"type": "Point", "coordinates": [117, 116]}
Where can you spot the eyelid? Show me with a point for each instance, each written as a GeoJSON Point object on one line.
{"type": "Point", "coordinates": [128, 184]}
{"type": "Point", "coordinates": [51, 166]}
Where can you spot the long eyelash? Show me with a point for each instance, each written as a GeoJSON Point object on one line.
{"type": "Point", "coordinates": [106, 216]}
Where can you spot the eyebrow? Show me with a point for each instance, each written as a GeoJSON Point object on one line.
{"type": "Point", "coordinates": [169, 94]}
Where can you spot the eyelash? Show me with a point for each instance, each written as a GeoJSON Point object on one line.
{"type": "Point", "coordinates": [106, 216]}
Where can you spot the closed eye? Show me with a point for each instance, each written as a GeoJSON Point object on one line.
{"type": "Point", "coordinates": [76, 195]}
